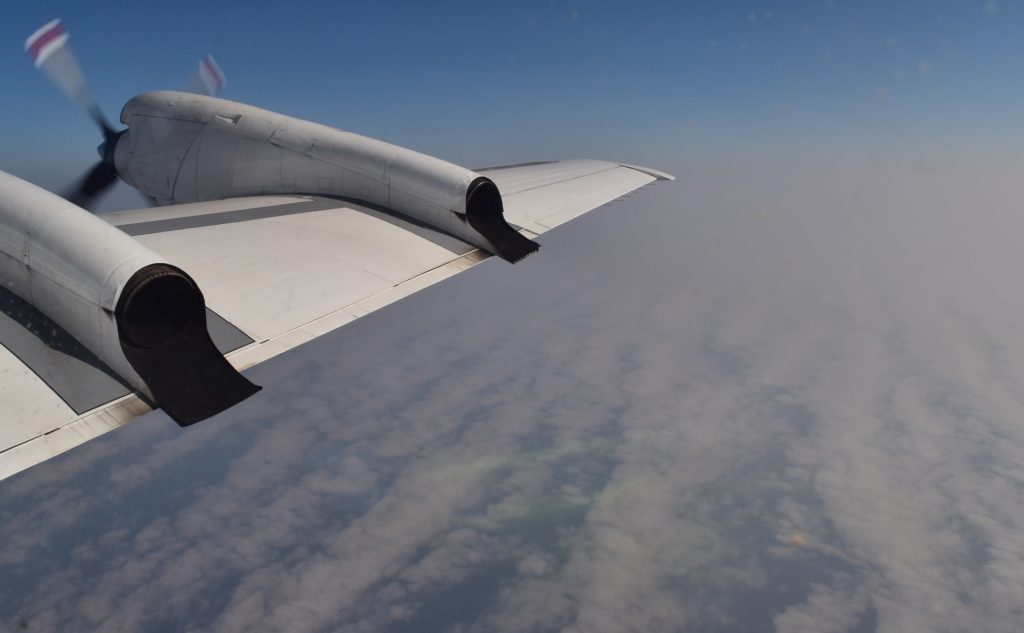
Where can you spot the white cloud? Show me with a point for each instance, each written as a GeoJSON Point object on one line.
{"type": "Point", "coordinates": [630, 444]}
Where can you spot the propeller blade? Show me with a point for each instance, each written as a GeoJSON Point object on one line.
{"type": "Point", "coordinates": [97, 181]}
{"type": "Point", "coordinates": [208, 78]}
{"type": "Point", "coordinates": [109, 133]}
{"type": "Point", "coordinates": [51, 53]}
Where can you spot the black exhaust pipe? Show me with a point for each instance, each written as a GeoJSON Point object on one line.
{"type": "Point", "coordinates": [161, 322]}
{"type": "Point", "coordinates": [486, 214]}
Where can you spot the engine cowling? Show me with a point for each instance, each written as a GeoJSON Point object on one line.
{"type": "Point", "coordinates": [140, 315]}
{"type": "Point", "coordinates": [182, 147]}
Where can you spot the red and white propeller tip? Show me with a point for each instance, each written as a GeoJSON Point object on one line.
{"type": "Point", "coordinates": [45, 41]}
{"type": "Point", "coordinates": [211, 76]}
{"type": "Point", "coordinates": [51, 53]}
{"type": "Point", "coordinates": [208, 78]}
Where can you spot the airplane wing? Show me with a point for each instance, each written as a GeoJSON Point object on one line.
{"type": "Point", "coordinates": [276, 272]}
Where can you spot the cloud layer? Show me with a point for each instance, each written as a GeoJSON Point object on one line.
{"type": "Point", "coordinates": [767, 397]}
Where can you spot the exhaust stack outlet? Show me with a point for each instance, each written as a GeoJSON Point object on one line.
{"type": "Point", "coordinates": [486, 214]}
{"type": "Point", "coordinates": [156, 305]}
{"type": "Point", "coordinates": [161, 321]}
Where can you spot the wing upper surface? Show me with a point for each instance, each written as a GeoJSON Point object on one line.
{"type": "Point", "coordinates": [540, 196]}
{"type": "Point", "coordinates": [276, 272]}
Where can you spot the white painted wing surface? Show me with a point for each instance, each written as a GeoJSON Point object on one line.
{"type": "Point", "coordinates": [540, 196]}
{"type": "Point", "coordinates": [276, 272]}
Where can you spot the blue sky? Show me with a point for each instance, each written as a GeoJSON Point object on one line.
{"type": "Point", "coordinates": [498, 82]}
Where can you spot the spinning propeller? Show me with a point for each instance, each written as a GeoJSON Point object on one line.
{"type": "Point", "coordinates": [51, 53]}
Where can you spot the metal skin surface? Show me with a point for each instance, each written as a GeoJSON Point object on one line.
{"type": "Point", "coordinates": [183, 147]}
{"type": "Point", "coordinates": [49, 256]}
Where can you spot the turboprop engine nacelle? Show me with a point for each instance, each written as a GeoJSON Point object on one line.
{"type": "Point", "coordinates": [140, 315]}
{"type": "Point", "coordinates": [183, 147]}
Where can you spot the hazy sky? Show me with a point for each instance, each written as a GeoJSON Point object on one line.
{"type": "Point", "coordinates": [783, 393]}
